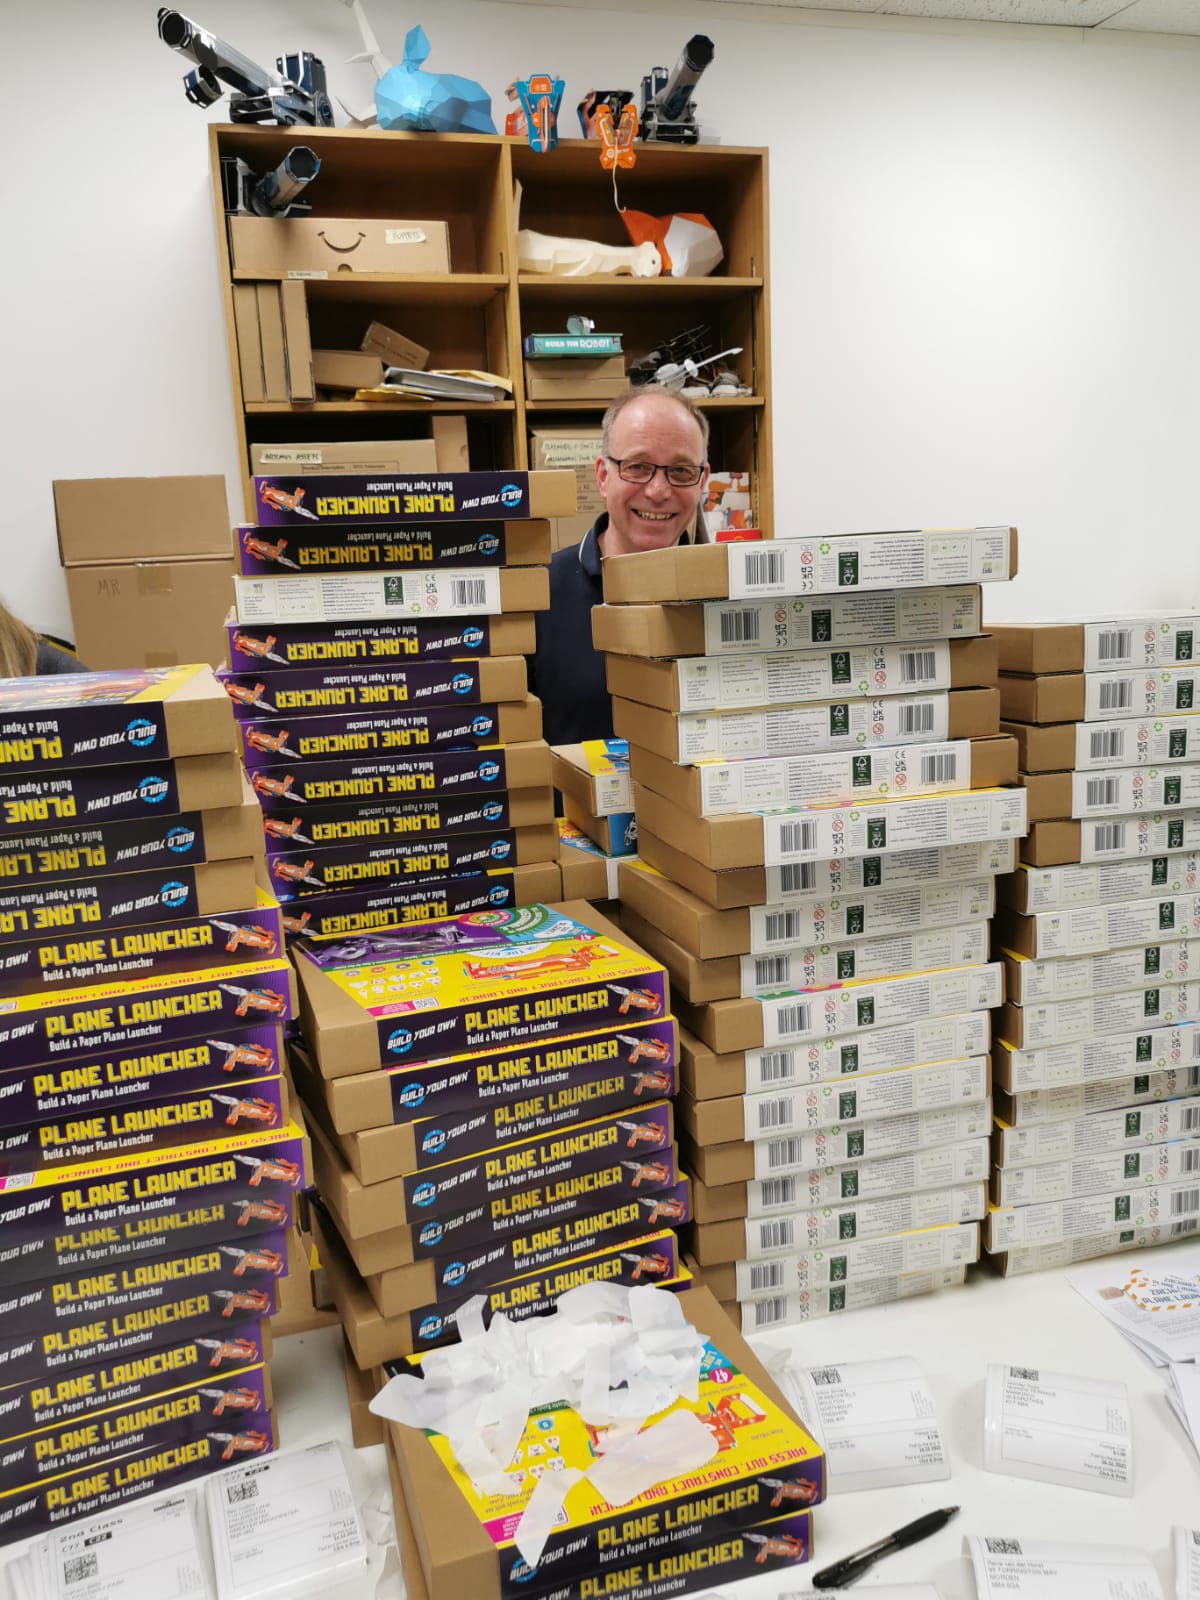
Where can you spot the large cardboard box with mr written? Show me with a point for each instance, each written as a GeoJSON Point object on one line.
{"type": "Point", "coordinates": [150, 613]}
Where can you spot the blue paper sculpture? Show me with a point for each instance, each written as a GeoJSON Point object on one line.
{"type": "Point", "coordinates": [408, 97]}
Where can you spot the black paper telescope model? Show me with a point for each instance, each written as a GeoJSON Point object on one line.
{"type": "Point", "coordinates": [293, 94]}
{"type": "Point", "coordinates": [668, 110]}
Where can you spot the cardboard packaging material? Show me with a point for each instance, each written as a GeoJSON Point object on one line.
{"type": "Point", "coordinates": [783, 568]}
{"type": "Point", "coordinates": [1053, 697]}
{"type": "Point", "coordinates": [452, 544]}
{"type": "Point", "coordinates": [1053, 1022]}
{"type": "Point", "coordinates": [1053, 844]}
{"type": "Point", "coordinates": [777, 1311]}
{"type": "Point", "coordinates": [395, 597]}
{"type": "Point", "coordinates": [151, 614]}
{"type": "Point", "coordinates": [613, 836]}
{"type": "Point", "coordinates": [367, 498]}
{"type": "Point", "coordinates": [717, 628]}
{"type": "Point", "coordinates": [1042, 750]}
{"type": "Point", "coordinates": [716, 788]}
{"type": "Point", "coordinates": [570, 449]}
{"type": "Point", "coordinates": [377, 643]}
{"type": "Point", "coordinates": [602, 792]}
{"type": "Point", "coordinates": [867, 1261]}
{"type": "Point", "coordinates": [102, 521]}
{"type": "Point", "coordinates": [392, 456]}
{"type": "Point", "coordinates": [1152, 1165]}
{"type": "Point", "coordinates": [575, 378]}
{"type": "Point", "coordinates": [1061, 888]}
{"type": "Point", "coordinates": [720, 683]}
{"type": "Point", "coordinates": [346, 369]}
{"type": "Point", "coordinates": [587, 874]}
{"type": "Point", "coordinates": [1087, 930]}
{"type": "Point", "coordinates": [1124, 1207]}
{"type": "Point", "coordinates": [1049, 795]}
{"type": "Point", "coordinates": [305, 691]}
{"type": "Point", "coordinates": [1034, 1108]}
{"type": "Point", "coordinates": [1060, 1253]}
{"type": "Point", "coordinates": [329, 737]}
{"type": "Point", "coordinates": [723, 1232]}
{"type": "Point", "coordinates": [321, 247]}
{"type": "Point", "coordinates": [114, 794]}
{"type": "Point", "coordinates": [1122, 1129]}
{"type": "Point", "coordinates": [690, 737]}
{"type": "Point", "coordinates": [293, 303]}
{"type": "Point", "coordinates": [361, 1388]}
{"type": "Point", "coordinates": [489, 770]}
{"type": "Point", "coordinates": [314, 869]}
{"type": "Point", "coordinates": [249, 343]}
{"type": "Point", "coordinates": [1153, 640]}
{"type": "Point", "coordinates": [1095, 1059]}
{"type": "Point", "coordinates": [1029, 980]}
{"type": "Point", "coordinates": [469, 1563]}
{"type": "Point", "coordinates": [393, 348]}
{"type": "Point", "coordinates": [352, 821]}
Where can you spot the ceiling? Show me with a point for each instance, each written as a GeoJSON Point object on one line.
{"type": "Point", "coordinates": [1131, 16]}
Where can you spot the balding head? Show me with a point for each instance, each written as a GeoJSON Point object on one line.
{"type": "Point", "coordinates": [650, 427]}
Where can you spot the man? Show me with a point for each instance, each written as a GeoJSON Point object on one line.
{"type": "Point", "coordinates": [652, 471]}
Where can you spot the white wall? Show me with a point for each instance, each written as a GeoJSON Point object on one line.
{"type": "Point", "coordinates": [983, 253]}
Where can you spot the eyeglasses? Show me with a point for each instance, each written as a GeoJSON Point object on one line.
{"type": "Point", "coordinates": [679, 475]}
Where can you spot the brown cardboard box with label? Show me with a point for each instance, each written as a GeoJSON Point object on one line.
{"type": "Point", "coordinates": [152, 613]}
{"type": "Point", "coordinates": [574, 450]}
{"type": "Point", "coordinates": [394, 349]}
{"type": "Point", "coordinates": [141, 519]}
{"type": "Point", "coordinates": [278, 247]}
{"type": "Point", "coordinates": [343, 455]}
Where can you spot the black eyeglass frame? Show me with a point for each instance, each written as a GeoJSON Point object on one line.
{"type": "Point", "coordinates": [695, 473]}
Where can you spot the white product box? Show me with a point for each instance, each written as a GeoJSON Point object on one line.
{"type": "Point", "coordinates": [1096, 1213]}
{"type": "Point", "coordinates": [863, 1141]}
{"type": "Point", "coordinates": [1132, 789]}
{"type": "Point", "coordinates": [907, 1173]}
{"type": "Point", "coordinates": [1139, 641]}
{"type": "Point", "coordinates": [862, 1262]}
{"type": "Point", "coordinates": [1037, 1107]}
{"type": "Point", "coordinates": [1156, 833]}
{"type": "Point", "coordinates": [833, 778]}
{"type": "Point", "coordinates": [911, 559]}
{"type": "Point", "coordinates": [1061, 1021]}
{"type": "Point", "coordinates": [1095, 1060]}
{"type": "Point", "coordinates": [730, 683]}
{"type": "Point", "coordinates": [812, 966]}
{"type": "Point", "coordinates": [732, 627]}
{"type": "Point", "coordinates": [872, 914]}
{"type": "Point", "coordinates": [804, 730]}
{"type": "Point", "coordinates": [350, 596]}
{"type": "Point", "coordinates": [1157, 692]}
{"type": "Point", "coordinates": [1072, 977]}
{"type": "Point", "coordinates": [882, 1003]}
{"type": "Point", "coordinates": [853, 875]}
{"type": "Point", "coordinates": [805, 1305]}
{"type": "Point", "coordinates": [1066, 888]}
{"type": "Point", "coordinates": [1127, 1127]}
{"type": "Point", "coordinates": [883, 826]}
{"type": "Point", "coordinates": [831, 1225]}
{"type": "Point", "coordinates": [899, 1094]}
{"type": "Point", "coordinates": [1069, 1252]}
{"type": "Point", "coordinates": [1097, 1174]}
{"type": "Point", "coordinates": [914, 1045]}
{"type": "Point", "coordinates": [1092, 929]}
{"type": "Point", "coordinates": [1137, 741]}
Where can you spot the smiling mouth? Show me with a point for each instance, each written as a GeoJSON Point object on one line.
{"type": "Point", "coordinates": [656, 516]}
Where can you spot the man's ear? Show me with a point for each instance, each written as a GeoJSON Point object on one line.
{"type": "Point", "coordinates": [602, 474]}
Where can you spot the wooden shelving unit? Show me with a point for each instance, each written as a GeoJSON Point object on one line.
{"type": "Point", "coordinates": [477, 314]}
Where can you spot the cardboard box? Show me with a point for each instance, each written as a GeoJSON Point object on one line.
{"type": "Point", "coordinates": [274, 353]}
{"type": "Point", "coordinates": [1142, 788]}
{"type": "Point", "coordinates": [352, 821]}
{"type": "Point", "coordinates": [351, 687]}
{"type": "Point", "coordinates": [717, 788]}
{"type": "Point", "coordinates": [575, 378]}
{"type": "Point", "coordinates": [865, 1262]}
{"type": "Point", "coordinates": [1070, 1252]}
{"type": "Point", "coordinates": [1048, 749]}
{"type": "Point", "coordinates": [320, 739]}
{"type": "Point", "coordinates": [468, 1563]}
{"type": "Point", "coordinates": [612, 836]}
{"type": "Point", "coordinates": [457, 544]}
{"type": "Point", "coordinates": [731, 628]}
{"type": "Point", "coordinates": [803, 730]}
{"type": "Point", "coordinates": [1095, 1059]}
{"type": "Point", "coordinates": [314, 870]}
{"type": "Point", "coordinates": [151, 614]}
{"type": "Point", "coordinates": [346, 370]}
{"type": "Point", "coordinates": [394, 349]}
{"type": "Point", "coordinates": [249, 343]}
{"type": "Point", "coordinates": [321, 247]}
{"type": "Point", "coordinates": [1047, 1023]}
{"type": "Point", "coordinates": [574, 450]}
{"type": "Point", "coordinates": [395, 905]}
{"type": "Point", "coordinates": [1152, 640]}
{"type": "Point", "coordinates": [818, 833]}
{"type": "Point", "coordinates": [367, 498]}
{"type": "Point", "coordinates": [722, 683]}
{"type": "Point", "coordinates": [1053, 697]}
{"type": "Point", "coordinates": [783, 568]}
{"type": "Point", "coordinates": [1029, 980]}
{"type": "Point", "coordinates": [1085, 930]}
{"type": "Point", "coordinates": [1049, 795]}
{"type": "Point", "coordinates": [1037, 1107]}
{"type": "Point", "coordinates": [1064, 887]}
{"type": "Point", "coordinates": [797, 1308]}
{"type": "Point", "coordinates": [114, 794]}
{"type": "Point", "coordinates": [399, 596]}
{"type": "Point", "coordinates": [1151, 1165]}
{"type": "Point", "coordinates": [1052, 844]}
{"type": "Point", "coordinates": [587, 874]}
{"type": "Point", "coordinates": [731, 1236]}
{"type": "Point", "coordinates": [378, 643]}
{"type": "Point", "coordinates": [851, 1008]}
{"type": "Point", "coordinates": [1122, 1129]}
{"type": "Point", "coordinates": [596, 776]}
{"type": "Point", "coordinates": [361, 1388]}
{"type": "Point", "coordinates": [1124, 1207]}
{"type": "Point", "coordinates": [106, 520]}
{"type": "Point", "coordinates": [391, 456]}
{"type": "Point", "coordinates": [296, 340]}
{"type": "Point", "coordinates": [759, 930]}
{"type": "Point", "coordinates": [490, 770]}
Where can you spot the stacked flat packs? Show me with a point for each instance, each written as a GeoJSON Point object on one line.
{"type": "Point", "coordinates": [149, 1156]}
{"type": "Point", "coordinates": [1097, 1059]}
{"type": "Point", "coordinates": [377, 672]}
{"type": "Point", "coordinates": [598, 829]}
{"type": "Point", "coordinates": [489, 1100]}
{"type": "Point", "coordinates": [823, 804]}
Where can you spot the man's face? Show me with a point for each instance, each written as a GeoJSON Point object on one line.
{"type": "Point", "coordinates": [650, 516]}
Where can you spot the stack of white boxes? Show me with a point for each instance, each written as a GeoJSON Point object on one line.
{"type": "Point", "coordinates": [1097, 1060]}
{"type": "Point", "coordinates": [820, 794]}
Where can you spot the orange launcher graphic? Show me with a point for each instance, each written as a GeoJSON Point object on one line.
{"type": "Point", "coordinates": [275, 1005]}
{"type": "Point", "coordinates": [800, 1491]}
{"type": "Point", "coordinates": [245, 695]}
{"type": "Point", "coordinates": [271, 744]}
{"type": "Point", "coordinates": [648, 1172]}
{"type": "Point", "coordinates": [261, 648]}
{"type": "Point", "coordinates": [651, 1266]}
{"type": "Point", "coordinates": [255, 1301]}
{"type": "Point", "coordinates": [283, 501]}
{"type": "Point", "coordinates": [278, 829]}
{"type": "Point", "coordinates": [265, 550]}
{"type": "Point", "coordinates": [251, 1443]}
{"type": "Point", "coordinates": [232, 1400]}
{"type": "Point", "coordinates": [253, 937]}
{"type": "Point", "coordinates": [783, 1545]}
{"type": "Point", "coordinates": [261, 1211]}
{"type": "Point", "coordinates": [239, 1350]}
{"type": "Point", "coordinates": [276, 788]}
{"type": "Point", "coordinates": [250, 1109]}
{"type": "Point", "coordinates": [642, 1133]}
{"type": "Point", "coordinates": [636, 1000]}
{"type": "Point", "coordinates": [668, 1209]}
{"type": "Point", "coordinates": [243, 1055]}
{"type": "Point", "coordinates": [578, 960]}
{"type": "Point", "coordinates": [254, 1260]}
{"type": "Point", "coordinates": [296, 872]}
{"type": "Point", "coordinates": [275, 1167]}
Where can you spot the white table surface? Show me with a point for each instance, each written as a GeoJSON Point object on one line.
{"type": "Point", "coordinates": [1036, 1321]}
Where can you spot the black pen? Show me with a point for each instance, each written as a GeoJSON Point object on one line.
{"type": "Point", "coordinates": [843, 1573]}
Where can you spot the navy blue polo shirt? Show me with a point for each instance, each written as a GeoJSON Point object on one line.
{"type": "Point", "coordinates": [565, 672]}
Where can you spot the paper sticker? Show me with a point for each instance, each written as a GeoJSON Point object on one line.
{"type": "Point", "coordinates": [1057, 1428]}
{"type": "Point", "coordinates": [404, 236]}
{"type": "Point", "coordinates": [877, 1421]}
{"type": "Point", "coordinates": [1042, 1569]}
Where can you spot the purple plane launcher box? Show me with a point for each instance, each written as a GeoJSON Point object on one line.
{"type": "Point", "coordinates": [265, 743]}
{"type": "Point", "coordinates": [285, 501]}
{"type": "Point", "coordinates": [301, 645]}
{"type": "Point", "coordinates": [489, 769]}
{"type": "Point", "coordinates": [345, 688]}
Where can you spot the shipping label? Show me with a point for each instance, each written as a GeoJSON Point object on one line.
{"type": "Point", "coordinates": [1132, 742]}
{"type": "Point", "coordinates": [1159, 692]}
{"type": "Point", "coordinates": [1140, 642]}
{"type": "Point", "coordinates": [1100, 794]}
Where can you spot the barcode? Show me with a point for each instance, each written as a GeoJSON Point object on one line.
{"type": "Point", "coordinates": [917, 666]}
{"type": "Point", "coordinates": [1108, 744]}
{"type": "Point", "coordinates": [1177, 1229]}
{"type": "Point", "coordinates": [1116, 694]}
{"type": "Point", "coordinates": [771, 971]}
{"type": "Point", "coordinates": [764, 567]}
{"type": "Point", "coordinates": [774, 1114]}
{"type": "Point", "coordinates": [917, 717]}
{"type": "Point", "coordinates": [777, 1192]}
{"type": "Point", "coordinates": [784, 1152]}
{"type": "Point", "coordinates": [468, 592]}
{"type": "Point", "coordinates": [780, 1233]}
{"type": "Point", "coordinates": [1003, 1547]}
{"type": "Point", "coordinates": [1102, 791]}
{"type": "Point", "coordinates": [768, 1311]}
{"type": "Point", "coordinates": [1116, 644]}
{"type": "Point", "coordinates": [739, 627]}
{"type": "Point", "coordinates": [825, 1377]}
{"type": "Point", "coordinates": [939, 767]}
{"type": "Point", "coordinates": [794, 1018]}
{"type": "Point", "coordinates": [1108, 836]}
{"type": "Point", "coordinates": [241, 1489]}
{"type": "Point", "coordinates": [1185, 1200]}
{"type": "Point", "coordinates": [1193, 1077]}
{"type": "Point", "coordinates": [77, 1568]}
{"type": "Point", "coordinates": [1189, 1118]}
{"type": "Point", "coordinates": [794, 836]}
{"type": "Point", "coordinates": [1026, 1374]}
{"type": "Point", "coordinates": [766, 1275]}
{"type": "Point", "coordinates": [783, 927]}
{"type": "Point", "coordinates": [777, 1066]}
{"type": "Point", "coordinates": [798, 876]}
{"type": "Point", "coordinates": [1189, 1161]}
